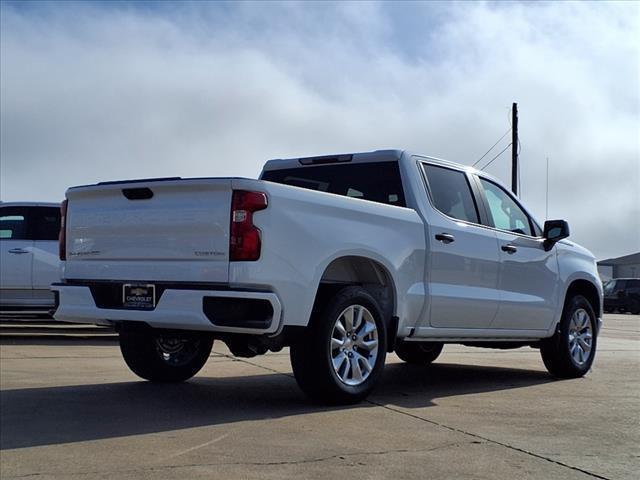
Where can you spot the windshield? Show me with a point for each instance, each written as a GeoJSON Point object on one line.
{"type": "Point", "coordinates": [609, 286]}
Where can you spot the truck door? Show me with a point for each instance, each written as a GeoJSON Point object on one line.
{"type": "Point", "coordinates": [463, 262]}
{"type": "Point", "coordinates": [528, 274]}
{"type": "Point", "coordinates": [16, 256]}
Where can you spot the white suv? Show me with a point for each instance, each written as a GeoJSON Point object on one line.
{"type": "Point", "coordinates": [29, 255]}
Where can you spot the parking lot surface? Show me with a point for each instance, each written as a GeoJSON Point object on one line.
{"type": "Point", "coordinates": [70, 408]}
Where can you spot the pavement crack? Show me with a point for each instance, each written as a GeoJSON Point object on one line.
{"type": "Point", "coordinates": [339, 456]}
{"type": "Point", "coordinates": [450, 428]}
{"type": "Point", "coordinates": [198, 447]}
{"type": "Point", "coordinates": [489, 440]}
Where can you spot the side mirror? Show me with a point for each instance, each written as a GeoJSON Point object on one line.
{"type": "Point", "coordinates": [554, 231]}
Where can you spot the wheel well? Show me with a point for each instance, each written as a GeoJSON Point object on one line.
{"type": "Point", "coordinates": [361, 271]}
{"type": "Point", "coordinates": [587, 290]}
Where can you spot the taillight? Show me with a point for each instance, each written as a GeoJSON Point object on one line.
{"type": "Point", "coordinates": [62, 236]}
{"type": "Point", "coordinates": [244, 243]}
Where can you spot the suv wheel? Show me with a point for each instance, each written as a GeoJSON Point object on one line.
{"type": "Point", "coordinates": [570, 352]}
{"type": "Point", "coordinates": [162, 357]}
{"type": "Point", "coordinates": [342, 354]}
{"type": "Point", "coordinates": [418, 353]}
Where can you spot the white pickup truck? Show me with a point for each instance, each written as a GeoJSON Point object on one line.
{"type": "Point", "coordinates": [29, 261]}
{"type": "Point", "coordinates": [342, 258]}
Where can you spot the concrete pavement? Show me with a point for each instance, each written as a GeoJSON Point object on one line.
{"type": "Point", "coordinates": [72, 410]}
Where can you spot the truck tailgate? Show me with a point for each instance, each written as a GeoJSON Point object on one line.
{"type": "Point", "coordinates": [161, 230]}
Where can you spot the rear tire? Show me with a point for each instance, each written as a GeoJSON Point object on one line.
{"type": "Point", "coordinates": [570, 352]}
{"type": "Point", "coordinates": [418, 353]}
{"type": "Point", "coordinates": [341, 356]}
{"type": "Point", "coordinates": [162, 357]}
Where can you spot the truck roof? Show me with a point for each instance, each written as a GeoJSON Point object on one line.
{"type": "Point", "coordinates": [388, 155]}
{"type": "Point", "coordinates": [361, 157]}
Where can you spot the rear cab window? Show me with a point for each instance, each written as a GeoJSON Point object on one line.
{"type": "Point", "coordinates": [376, 181]}
{"type": "Point", "coordinates": [45, 223]}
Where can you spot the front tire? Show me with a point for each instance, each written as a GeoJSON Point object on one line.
{"type": "Point", "coordinates": [164, 357]}
{"type": "Point", "coordinates": [570, 352]}
{"type": "Point", "coordinates": [419, 353]}
{"type": "Point", "coordinates": [341, 355]}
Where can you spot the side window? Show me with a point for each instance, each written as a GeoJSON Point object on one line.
{"type": "Point", "coordinates": [537, 231]}
{"type": "Point", "coordinates": [46, 223]}
{"type": "Point", "coordinates": [13, 223]}
{"type": "Point", "coordinates": [451, 193]}
{"type": "Point", "coordinates": [506, 213]}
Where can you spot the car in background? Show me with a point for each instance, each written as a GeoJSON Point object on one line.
{"type": "Point", "coordinates": [29, 255]}
{"type": "Point", "coordinates": [622, 294]}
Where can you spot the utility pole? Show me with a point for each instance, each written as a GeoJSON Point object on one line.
{"type": "Point", "coordinates": [514, 149]}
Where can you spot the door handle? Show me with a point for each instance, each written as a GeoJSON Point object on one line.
{"type": "Point", "coordinates": [510, 249]}
{"type": "Point", "coordinates": [18, 251]}
{"type": "Point", "coordinates": [445, 237]}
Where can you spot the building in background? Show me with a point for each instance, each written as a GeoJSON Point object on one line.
{"type": "Point", "coordinates": [621, 267]}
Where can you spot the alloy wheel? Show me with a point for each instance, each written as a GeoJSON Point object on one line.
{"type": "Point", "coordinates": [354, 345]}
{"type": "Point", "coordinates": [580, 337]}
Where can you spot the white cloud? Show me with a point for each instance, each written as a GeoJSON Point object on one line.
{"type": "Point", "coordinates": [90, 93]}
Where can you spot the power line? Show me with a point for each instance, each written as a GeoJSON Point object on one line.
{"type": "Point", "coordinates": [492, 147]}
{"type": "Point", "coordinates": [491, 161]}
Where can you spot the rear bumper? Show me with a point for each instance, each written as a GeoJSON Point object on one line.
{"type": "Point", "coordinates": [197, 309]}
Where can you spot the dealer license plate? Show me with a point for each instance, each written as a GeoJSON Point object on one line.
{"type": "Point", "coordinates": [139, 296]}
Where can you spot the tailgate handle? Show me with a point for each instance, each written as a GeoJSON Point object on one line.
{"type": "Point", "coordinates": [137, 193]}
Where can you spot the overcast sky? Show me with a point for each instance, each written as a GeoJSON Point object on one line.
{"type": "Point", "coordinates": [94, 92]}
